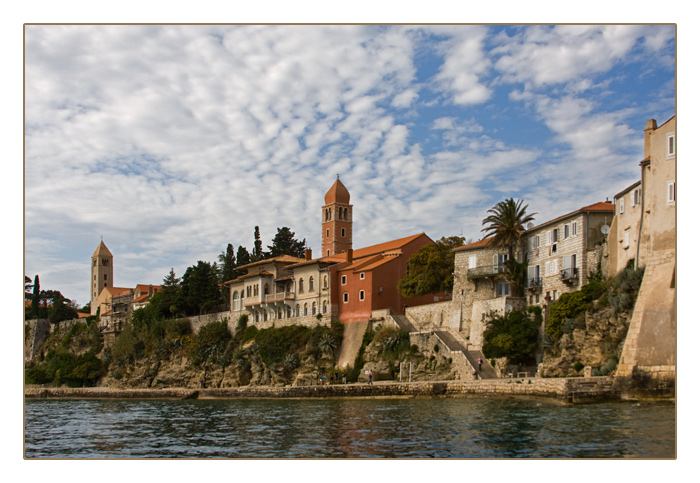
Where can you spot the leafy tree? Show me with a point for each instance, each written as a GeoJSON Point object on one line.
{"type": "Point", "coordinates": [228, 264]}
{"type": "Point", "coordinates": [513, 335]}
{"type": "Point", "coordinates": [199, 289]}
{"type": "Point", "coordinates": [166, 301]}
{"type": "Point", "coordinates": [242, 256]}
{"type": "Point", "coordinates": [284, 243]}
{"type": "Point", "coordinates": [27, 288]}
{"type": "Point", "coordinates": [506, 225]}
{"type": "Point", "coordinates": [431, 269]}
{"type": "Point", "coordinates": [61, 309]}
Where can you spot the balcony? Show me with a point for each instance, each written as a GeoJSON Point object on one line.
{"type": "Point", "coordinates": [487, 271]}
{"type": "Point", "coordinates": [279, 297]}
{"type": "Point", "coordinates": [534, 284]}
{"type": "Point", "coordinates": [569, 274]}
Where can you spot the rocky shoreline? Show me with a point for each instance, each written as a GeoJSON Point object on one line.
{"type": "Point", "coordinates": [564, 390]}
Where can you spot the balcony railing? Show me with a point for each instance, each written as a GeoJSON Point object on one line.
{"type": "Point", "coordinates": [279, 296]}
{"type": "Point", "coordinates": [534, 283]}
{"type": "Point", "coordinates": [486, 271]}
{"type": "Point", "coordinates": [569, 273]}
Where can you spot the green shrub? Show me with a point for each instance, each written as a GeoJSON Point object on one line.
{"type": "Point", "coordinates": [210, 344]}
{"type": "Point", "coordinates": [66, 368]}
{"type": "Point", "coordinates": [578, 366]}
{"type": "Point", "coordinates": [513, 335]}
{"type": "Point", "coordinates": [249, 333]}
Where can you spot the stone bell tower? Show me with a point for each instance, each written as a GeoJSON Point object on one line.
{"type": "Point", "coordinates": [336, 236]}
{"type": "Point", "coordinates": [101, 274]}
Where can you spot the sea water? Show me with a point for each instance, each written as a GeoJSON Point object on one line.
{"type": "Point", "coordinates": [346, 428]}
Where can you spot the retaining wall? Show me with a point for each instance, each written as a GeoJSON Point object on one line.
{"type": "Point", "coordinates": [567, 391]}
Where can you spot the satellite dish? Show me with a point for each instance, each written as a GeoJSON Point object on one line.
{"type": "Point", "coordinates": [530, 225]}
{"type": "Point", "coordinates": [509, 308]}
{"type": "Point", "coordinates": [605, 229]}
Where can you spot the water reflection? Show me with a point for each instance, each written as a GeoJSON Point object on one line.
{"type": "Point", "coordinates": [346, 428]}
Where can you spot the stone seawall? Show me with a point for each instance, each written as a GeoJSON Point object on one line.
{"type": "Point", "coordinates": [567, 391]}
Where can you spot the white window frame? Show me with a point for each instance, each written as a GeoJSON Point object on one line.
{"type": "Point", "coordinates": [671, 192]}
{"type": "Point", "coordinates": [670, 144]}
{"type": "Point", "coordinates": [472, 261]}
{"type": "Point", "coordinates": [362, 275]}
{"type": "Point", "coordinates": [574, 228]}
{"type": "Point", "coordinates": [622, 205]}
{"type": "Point", "coordinates": [362, 294]}
{"type": "Point", "coordinates": [346, 297]}
{"type": "Point", "coordinates": [626, 238]}
{"type": "Point", "coordinates": [567, 231]}
{"type": "Point", "coordinates": [343, 280]}
{"type": "Point", "coordinates": [635, 197]}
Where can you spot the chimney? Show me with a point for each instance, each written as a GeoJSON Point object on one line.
{"type": "Point", "coordinates": [307, 254]}
{"type": "Point", "coordinates": [348, 255]}
{"type": "Point", "coordinates": [150, 290]}
{"type": "Point", "coordinates": [648, 130]}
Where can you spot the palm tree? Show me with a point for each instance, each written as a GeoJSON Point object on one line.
{"type": "Point", "coordinates": [506, 224]}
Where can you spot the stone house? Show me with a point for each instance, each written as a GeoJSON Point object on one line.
{"type": "Point", "coordinates": [561, 253]}
{"type": "Point", "coordinates": [624, 229]}
{"type": "Point", "coordinates": [480, 287]}
{"type": "Point", "coordinates": [649, 353]}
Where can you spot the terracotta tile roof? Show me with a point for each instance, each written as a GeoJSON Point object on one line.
{"type": "Point", "coordinates": [387, 246]}
{"type": "Point", "coordinates": [337, 194]}
{"type": "Point", "coordinates": [116, 291]}
{"type": "Point", "coordinates": [599, 207]}
{"type": "Point", "coordinates": [281, 259]}
{"type": "Point", "coordinates": [473, 246]}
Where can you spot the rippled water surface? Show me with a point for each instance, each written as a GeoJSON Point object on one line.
{"type": "Point", "coordinates": [339, 428]}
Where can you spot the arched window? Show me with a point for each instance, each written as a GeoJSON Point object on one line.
{"type": "Point", "coordinates": [297, 310]}
{"type": "Point", "coordinates": [311, 284]}
{"type": "Point", "coordinates": [325, 306]}
{"type": "Point", "coordinates": [325, 281]}
{"type": "Point", "coordinates": [301, 285]}
{"type": "Point", "coordinates": [257, 316]}
{"type": "Point", "coordinates": [345, 214]}
{"type": "Point", "coordinates": [306, 309]}
{"type": "Point", "coordinates": [289, 311]}
{"type": "Point", "coordinates": [313, 308]}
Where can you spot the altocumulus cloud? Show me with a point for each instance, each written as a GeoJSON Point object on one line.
{"type": "Point", "coordinates": [173, 141]}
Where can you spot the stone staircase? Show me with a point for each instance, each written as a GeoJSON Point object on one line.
{"type": "Point", "coordinates": [353, 333]}
{"type": "Point", "coordinates": [472, 356]}
{"type": "Point", "coordinates": [403, 323]}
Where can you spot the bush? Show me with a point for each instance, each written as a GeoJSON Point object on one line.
{"type": "Point", "coordinates": [66, 368]}
{"type": "Point", "coordinates": [578, 366]}
{"type": "Point", "coordinates": [513, 335]}
{"type": "Point", "coordinates": [210, 344]}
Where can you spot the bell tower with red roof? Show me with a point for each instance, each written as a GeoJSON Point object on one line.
{"type": "Point", "coordinates": [336, 233]}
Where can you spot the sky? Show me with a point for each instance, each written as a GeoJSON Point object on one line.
{"type": "Point", "coordinates": [169, 142]}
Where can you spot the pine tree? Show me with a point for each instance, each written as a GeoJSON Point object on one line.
{"type": "Point", "coordinates": [36, 297]}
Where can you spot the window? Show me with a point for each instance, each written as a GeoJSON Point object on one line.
{"type": "Point", "coordinates": [551, 267]}
{"type": "Point", "coordinates": [325, 281]}
{"type": "Point", "coordinates": [671, 144]}
{"type": "Point", "coordinates": [346, 297]}
{"type": "Point", "coordinates": [301, 285]}
{"type": "Point", "coordinates": [325, 306]}
{"type": "Point", "coordinates": [328, 233]}
{"type": "Point", "coordinates": [343, 279]}
{"type": "Point", "coordinates": [313, 308]}
{"type": "Point", "coordinates": [554, 294]}
{"type": "Point", "coordinates": [362, 276]}
{"type": "Point", "coordinates": [626, 238]}
{"type": "Point", "coordinates": [566, 231]}
{"type": "Point", "coordinates": [503, 289]}
{"type": "Point", "coordinates": [498, 261]}
{"type": "Point", "coordinates": [342, 232]}
{"type": "Point", "coordinates": [362, 294]}
{"type": "Point", "coordinates": [670, 192]}
{"type": "Point", "coordinates": [622, 205]}
{"type": "Point", "coordinates": [636, 197]}
{"type": "Point", "coordinates": [306, 309]}
{"type": "Point", "coordinates": [311, 284]}
{"type": "Point", "coordinates": [472, 261]}
{"type": "Point", "coordinates": [555, 235]}
{"type": "Point", "coordinates": [574, 228]}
